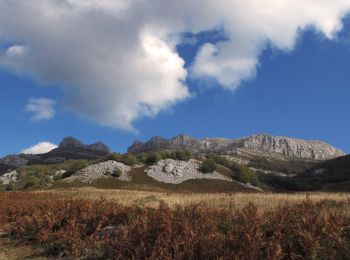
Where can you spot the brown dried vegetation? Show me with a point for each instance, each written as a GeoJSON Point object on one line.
{"type": "Point", "coordinates": [106, 229]}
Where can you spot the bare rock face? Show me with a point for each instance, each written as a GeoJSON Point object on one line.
{"type": "Point", "coordinates": [70, 143]}
{"type": "Point", "coordinates": [262, 143]}
{"type": "Point", "coordinates": [292, 147]}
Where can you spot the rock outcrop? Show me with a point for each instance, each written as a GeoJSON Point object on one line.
{"type": "Point", "coordinates": [100, 170]}
{"type": "Point", "coordinates": [72, 144]}
{"type": "Point", "coordinates": [176, 172]}
{"type": "Point", "coordinates": [261, 142]}
{"type": "Point", "coordinates": [9, 177]}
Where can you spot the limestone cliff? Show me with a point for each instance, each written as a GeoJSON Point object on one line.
{"type": "Point", "coordinates": [261, 143]}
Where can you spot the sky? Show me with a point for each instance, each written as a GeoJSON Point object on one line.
{"type": "Point", "coordinates": [118, 71]}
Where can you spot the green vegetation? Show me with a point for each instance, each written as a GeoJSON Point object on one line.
{"type": "Point", "coordinates": [152, 158]}
{"type": "Point", "coordinates": [75, 167]}
{"type": "Point", "coordinates": [182, 155]}
{"type": "Point", "coordinates": [117, 173]}
{"type": "Point", "coordinates": [242, 173]}
{"type": "Point", "coordinates": [289, 167]}
{"type": "Point", "coordinates": [246, 175]}
{"type": "Point", "coordinates": [127, 159]}
{"type": "Point", "coordinates": [208, 165]}
{"type": "Point", "coordinates": [32, 182]}
{"type": "Point", "coordinates": [33, 176]}
{"type": "Point", "coordinates": [332, 172]}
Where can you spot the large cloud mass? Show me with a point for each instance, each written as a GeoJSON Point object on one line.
{"type": "Point", "coordinates": [117, 61]}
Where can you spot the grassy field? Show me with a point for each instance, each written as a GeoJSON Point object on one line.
{"type": "Point", "coordinates": [92, 223]}
{"type": "Point", "coordinates": [264, 202]}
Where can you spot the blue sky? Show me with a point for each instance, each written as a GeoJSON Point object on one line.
{"type": "Point", "coordinates": [302, 92]}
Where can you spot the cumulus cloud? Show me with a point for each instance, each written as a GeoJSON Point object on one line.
{"type": "Point", "coordinates": [117, 61]}
{"type": "Point", "coordinates": [41, 108]}
{"type": "Point", "coordinates": [42, 147]}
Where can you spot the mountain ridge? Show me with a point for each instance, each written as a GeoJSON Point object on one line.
{"type": "Point", "coordinates": [299, 148]}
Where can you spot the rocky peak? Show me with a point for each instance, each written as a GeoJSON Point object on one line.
{"type": "Point", "coordinates": [99, 147]}
{"type": "Point", "coordinates": [71, 142]}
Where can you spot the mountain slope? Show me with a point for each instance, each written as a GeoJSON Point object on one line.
{"type": "Point", "coordinates": [263, 143]}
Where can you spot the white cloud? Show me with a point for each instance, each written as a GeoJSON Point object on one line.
{"type": "Point", "coordinates": [41, 108]}
{"type": "Point", "coordinates": [16, 50]}
{"type": "Point", "coordinates": [116, 60]}
{"type": "Point", "coordinates": [42, 147]}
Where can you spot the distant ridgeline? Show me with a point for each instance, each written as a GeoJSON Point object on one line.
{"type": "Point", "coordinates": [69, 148]}
{"type": "Point", "coordinates": [253, 145]}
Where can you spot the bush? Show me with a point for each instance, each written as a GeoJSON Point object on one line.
{"type": "Point", "coordinates": [182, 155]}
{"type": "Point", "coordinates": [153, 158]}
{"type": "Point", "coordinates": [75, 167]}
{"type": "Point", "coordinates": [246, 175]}
{"type": "Point", "coordinates": [31, 183]}
{"type": "Point", "coordinates": [9, 187]}
{"type": "Point", "coordinates": [243, 173]}
{"type": "Point", "coordinates": [117, 173]}
{"type": "Point", "coordinates": [208, 166]}
{"type": "Point", "coordinates": [128, 158]}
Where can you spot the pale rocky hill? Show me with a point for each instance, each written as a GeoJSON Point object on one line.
{"type": "Point", "coordinates": [176, 172]}
{"type": "Point", "coordinates": [100, 170]}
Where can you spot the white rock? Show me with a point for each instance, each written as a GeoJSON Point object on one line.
{"type": "Point", "coordinates": [9, 177]}
{"type": "Point", "coordinates": [176, 172]}
{"type": "Point", "coordinates": [100, 170]}
{"type": "Point", "coordinates": [58, 172]}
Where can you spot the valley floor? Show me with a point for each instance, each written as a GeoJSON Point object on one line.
{"type": "Point", "coordinates": [263, 201]}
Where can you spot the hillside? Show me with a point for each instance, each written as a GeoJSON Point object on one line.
{"type": "Point", "coordinates": [256, 163]}
{"type": "Point", "coordinates": [68, 149]}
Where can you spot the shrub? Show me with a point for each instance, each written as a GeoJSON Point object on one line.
{"type": "Point", "coordinates": [243, 173]}
{"type": "Point", "coordinates": [128, 158]}
{"type": "Point", "coordinates": [89, 229]}
{"type": "Point", "coordinates": [208, 166]}
{"type": "Point", "coordinates": [246, 175]}
{"type": "Point", "coordinates": [117, 173]}
{"type": "Point", "coordinates": [10, 187]}
{"type": "Point", "coordinates": [153, 158]}
{"type": "Point", "coordinates": [31, 182]}
{"type": "Point", "coordinates": [75, 167]}
{"type": "Point", "coordinates": [182, 155]}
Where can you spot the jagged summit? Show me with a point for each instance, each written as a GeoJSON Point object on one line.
{"type": "Point", "coordinates": [72, 143]}
{"type": "Point", "coordinates": [256, 143]}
